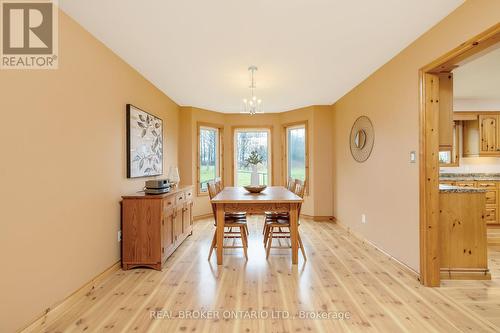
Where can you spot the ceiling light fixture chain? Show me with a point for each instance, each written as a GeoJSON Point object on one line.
{"type": "Point", "coordinates": [253, 104]}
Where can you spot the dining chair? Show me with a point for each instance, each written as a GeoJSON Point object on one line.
{"type": "Point", "coordinates": [281, 222]}
{"type": "Point", "coordinates": [291, 187]}
{"type": "Point", "coordinates": [230, 222]}
{"type": "Point", "coordinates": [219, 187]}
{"type": "Point", "coordinates": [218, 184]}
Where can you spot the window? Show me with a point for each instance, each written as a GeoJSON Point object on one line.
{"type": "Point", "coordinates": [209, 156]}
{"type": "Point", "coordinates": [252, 145]}
{"type": "Point", "coordinates": [296, 156]}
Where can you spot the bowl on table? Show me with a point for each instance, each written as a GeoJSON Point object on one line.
{"type": "Point", "coordinates": [255, 188]}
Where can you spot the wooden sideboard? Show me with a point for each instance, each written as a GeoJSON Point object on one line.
{"type": "Point", "coordinates": [153, 226]}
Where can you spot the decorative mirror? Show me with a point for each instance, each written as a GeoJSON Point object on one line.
{"type": "Point", "coordinates": [362, 139]}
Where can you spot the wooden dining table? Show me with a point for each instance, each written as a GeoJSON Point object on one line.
{"type": "Point", "coordinates": [272, 199]}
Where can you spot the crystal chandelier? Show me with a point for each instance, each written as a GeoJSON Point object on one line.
{"type": "Point", "coordinates": [253, 104]}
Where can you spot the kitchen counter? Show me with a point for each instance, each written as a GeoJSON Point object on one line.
{"type": "Point", "coordinates": [470, 176]}
{"type": "Point", "coordinates": [443, 188]}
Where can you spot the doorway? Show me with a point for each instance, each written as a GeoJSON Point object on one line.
{"type": "Point", "coordinates": [429, 88]}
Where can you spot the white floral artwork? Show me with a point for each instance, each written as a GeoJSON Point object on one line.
{"type": "Point", "coordinates": [144, 143]}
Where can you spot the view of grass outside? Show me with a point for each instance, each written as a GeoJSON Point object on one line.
{"type": "Point", "coordinates": [246, 142]}
{"type": "Point", "coordinates": [296, 145]}
{"type": "Point", "coordinates": [208, 156]}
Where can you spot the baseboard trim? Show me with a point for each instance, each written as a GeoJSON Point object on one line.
{"type": "Point", "coordinates": [319, 218]}
{"type": "Point", "coordinates": [410, 270]}
{"type": "Point", "coordinates": [202, 217]}
{"type": "Point", "coordinates": [70, 298]}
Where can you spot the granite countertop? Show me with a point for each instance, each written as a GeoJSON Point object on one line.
{"type": "Point", "coordinates": [469, 176]}
{"type": "Point", "coordinates": [443, 188]}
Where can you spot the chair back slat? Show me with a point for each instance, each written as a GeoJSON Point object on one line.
{"type": "Point", "coordinates": [218, 184]}
{"type": "Point", "coordinates": [291, 185]}
{"type": "Point", "coordinates": [300, 190]}
{"type": "Point", "coordinates": [212, 192]}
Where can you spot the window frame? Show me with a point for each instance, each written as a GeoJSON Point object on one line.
{"type": "Point", "coordinates": [220, 155]}
{"type": "Point", "coordinates": [250, 128]}
{"type": "Point", "coordinates": [284, 162]}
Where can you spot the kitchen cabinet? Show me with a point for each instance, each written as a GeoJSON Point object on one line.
{"type": "Point", "coordinates": [446, 125]}
{"type": "Point", "coordinates": [488, 135]}
{"type": "Point", "coordinates": [462, 236]}
{"type": "Point", "coordinates": [470, 134]}
{"type": "Point", "coordinates": [491, 197]}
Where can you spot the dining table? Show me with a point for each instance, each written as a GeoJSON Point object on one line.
{"type": "Point", "coordinates": [271, 199]}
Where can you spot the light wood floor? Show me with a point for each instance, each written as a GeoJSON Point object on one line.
{"type": "Point", "coordinates": [342, 273]}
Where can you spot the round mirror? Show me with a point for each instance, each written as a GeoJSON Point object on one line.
{"type": "Point", "coordinates": [360, 139]}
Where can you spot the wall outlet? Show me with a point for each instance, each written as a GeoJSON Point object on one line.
{"type": "Point", "coordinates": [119, 235]}
{"type": "Point", "coordinates": [363, 218]}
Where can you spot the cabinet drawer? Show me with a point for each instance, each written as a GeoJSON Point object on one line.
{"type": "Point", "coordinates": [447, 182]}
{"type": "Point", "coordinates": [180, 198]}
{"type": "Point", "coordinates": [487, 185]}
{"type": "Point", "coordinates": [168, 203]}
{"type": "Point", "coordinates": [491, 215]}
{"type": "Point", "coordinates": [491, 197]}
{"type": "Point", "coordinates": [465, 184]}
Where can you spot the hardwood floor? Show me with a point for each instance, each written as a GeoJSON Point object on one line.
{"type": "Point", "coordinates": [342, 274]}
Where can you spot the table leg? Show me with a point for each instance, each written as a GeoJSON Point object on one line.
{"type": "Point", "coordinates": [220, 233]}
{"type": "Point", "coordinates": [294, 232]}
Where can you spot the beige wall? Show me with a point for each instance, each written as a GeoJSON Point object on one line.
{"type": "Point", "coordinates": [63, 170]}
{"type": "Point", "coordinates": [385, 188]}
{"type": "Point", "coordinates": [319, 200]}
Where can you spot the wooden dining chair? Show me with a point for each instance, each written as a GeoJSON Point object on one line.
{"type": "Point", "coordinates": [291, 187]}
{"type": "Point", "coordinates": [281, 223]}
{"type": "Point", "coordinates": [218, 184]}
{"type": "Point", "coordinates": [230, 222]}
{"type": "Point", "coordinates": [219, 187]}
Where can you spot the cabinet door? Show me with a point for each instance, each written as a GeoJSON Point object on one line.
{"type": "Point", "coordinates": [446, 128]}
{"type": "Point", "coordinates": [471, 142]}
{"type": "Point", "coordinates": [187, 219]}
{"type": "Point", "coordinates": [488, 134]}
{"type": "Point", "coordinates": [168, 232]}
{"type": "Point", "coordinates": [178, 227]}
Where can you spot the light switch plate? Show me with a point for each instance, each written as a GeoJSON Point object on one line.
{"type": "Point", "coordinates": [413, 156]}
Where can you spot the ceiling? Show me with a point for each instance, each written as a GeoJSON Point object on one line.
{"type": "Point", "coordinates": [308, 52]}
{"type": "Point", "coordinates": [479, 79]}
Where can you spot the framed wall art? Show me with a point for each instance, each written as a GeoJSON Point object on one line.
{"type": "Point", "coordinates": [144, 143]}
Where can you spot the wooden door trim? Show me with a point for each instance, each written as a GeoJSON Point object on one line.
{"type": "Point", "coordinates": [429, 164]}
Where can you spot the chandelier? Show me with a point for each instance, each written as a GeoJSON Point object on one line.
{"type": "Point", "coordinates": [253, 104]}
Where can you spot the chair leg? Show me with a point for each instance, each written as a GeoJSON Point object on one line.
{"type": "Point", "coordinates": [266, 234]}
{"type": "Point", "coordinates": [246, 229]}
{"type": "Point", "coordinates": [269, 241]}
{"type": "Point", "coordinates": [243, 240]}
{"type": "Point", "coordinates": [301, 247]}
{"type": "Point", "coordinates": [214, 241]}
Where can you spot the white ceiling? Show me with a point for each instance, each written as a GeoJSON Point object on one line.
{"type": "Point", "coordinates": [478, 79]}
{"type": "Point", "coordinates": [308, 51]}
